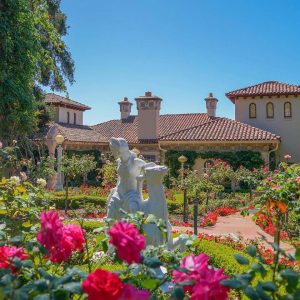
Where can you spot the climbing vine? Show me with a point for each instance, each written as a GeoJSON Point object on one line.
{"type": "Point", "coordinates": [247, 159]}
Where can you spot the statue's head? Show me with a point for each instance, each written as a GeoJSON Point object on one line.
{"type": "Point", "coordinates": [119, 148]}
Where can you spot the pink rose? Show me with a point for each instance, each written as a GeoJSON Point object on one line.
{"type": "Point", "coordinates": [23, 176]}
{"type": "Point", "coordinates": [205, 281]}
{"type": "Point", "coordinates": [130, 292]}
{"type": "Point", "coordinates": [59, 240]}
{"type": "Point", "coordinates": [298, 180]}
{"type": "Point", "coordinates": [7, 253]}
{"type": "Point", "coordinates": [287, 157]}
{"type": "Point", "coordinates": [209, 287]}
{"type": "Point", "coordinates": [74, 235]}
{"type": "Point", "coordinates": [51, 232]}
{"type": "Point", "coordinates": [128, 241]}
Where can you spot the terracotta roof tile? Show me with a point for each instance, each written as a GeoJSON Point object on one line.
{"type": "Point", "coordinates": [80, 133]}
{"type": "Point", "coordinates": [268, 88]}
{"type": "Point", "coordinates": [57, 99]}
{"type": "Point", "coordinates": [169, 123]}
{"type": "Point", "coordinates": [221, 129]}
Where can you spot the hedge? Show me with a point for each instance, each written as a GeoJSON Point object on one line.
{"type": "Point", "coordinates": [79, 201]}
{"type": "Point", "coordinates": [221, 256]}
{"type": "Point", "coordinates": [87, 225]}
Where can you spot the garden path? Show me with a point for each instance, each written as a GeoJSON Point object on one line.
{"type": "Point", "coordinates": [239, 226]}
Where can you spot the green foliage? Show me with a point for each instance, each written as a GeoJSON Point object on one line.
{"type": "Point", "coordinates": [20, 204]}
{"type": "Point", "coordinates": [108, 173]}
{"type": "Point", "coordinates": [92, 175]}
{"type": "Point", "coordinates": [33, 55]}
{"type": "Point", "coordinates": [263, 281]}
{"type": "Point", "coordinates": [248, 159]}
{"type": "Point", "coordinates": [87, 224]}
{"type": "Point", "coordinates": [221, 256]}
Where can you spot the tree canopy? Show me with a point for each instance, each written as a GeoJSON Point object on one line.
{"type": "Point", "coordinates": [33, 56]}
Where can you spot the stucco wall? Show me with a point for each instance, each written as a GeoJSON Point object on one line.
{"type": "Point", "coordinates": [287, 128]}
{"type": "Point", "coordinates": [148, 126]}
{"type": "Point", "coordinates": [62, 115]}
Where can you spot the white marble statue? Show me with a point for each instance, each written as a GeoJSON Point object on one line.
{"type": "Point", "coordinates": [132, 172]}
{"type": "Point", "coordinates": [126, 194]}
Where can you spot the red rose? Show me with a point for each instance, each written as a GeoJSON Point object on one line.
{"type": "Point", "coordinates": [7, 253]}
{"type": "Point", "coordinates": [128, 241]}
{"type": "Point", "coordinates": [102, 284]}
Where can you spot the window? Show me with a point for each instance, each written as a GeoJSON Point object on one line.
{"type": "Point", "coordinates": [287, 109]}
{"type": "Point", "coordinates": [252, 111]}
{"type": "Point", "coordinates": [75, 118]}
{"type": "Point", "coordinates": [68, 117]}
{"type": "Point", "coordinates": [143, 104]}
{"type": "Point", "coordinates": [270, 110]}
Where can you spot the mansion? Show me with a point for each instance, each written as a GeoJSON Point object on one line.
{"type": "Point", "coordinates": [267, 119]}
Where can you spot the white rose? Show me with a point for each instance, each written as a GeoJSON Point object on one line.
{"type": "Point", "coordinates": [15, 179]}
{"type": "Point", "coordinates": [41, 182]}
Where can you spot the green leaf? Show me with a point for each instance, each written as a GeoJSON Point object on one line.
{"type": "Point", "coordinates": [241, 259]}
{"type": "Point", "coordinates": [290, 276]}
{"type": "Point", "coordinates": [26, 224]}
{"type": "Point", "coordinates": [269, 286]}
{"type": "Point", "coordinates": [251, 250]}
{"type": "Point", "coordinates": [42, 297]}
{"type": "Point", "coordinates": [232, 283]}
{"type": "Point", "coordinates": [178, 293]}
{"type": "Point", "coordinates": [251, 293]}
{"type": "Point", "coordinates": [149, 283]}
{"type": "Point", "coordinates": [72, 287]}
{"type": "Point", "coordinates": [152, 262]}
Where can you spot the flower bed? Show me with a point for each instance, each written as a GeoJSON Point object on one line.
{"type": "Point", "coordinates": [211, 218]}
{"type": "Point", "coordinates": [266, 224]}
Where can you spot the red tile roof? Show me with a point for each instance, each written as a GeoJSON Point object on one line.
{"type": "Point", "coordinates": [221, 129]}
{"type": "Point", "coordinates": [169, 123]}
{"type": "Point", "coordinates": [176, 127]}
{"type": "Point", "coordinates": [59, 100]}
{"type": "Point", "coordinates": [268, 88]}
{"type": "Point", "coordinates": [80, 133]}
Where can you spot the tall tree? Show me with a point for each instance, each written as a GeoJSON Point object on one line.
{"type": "Point", "coordinates": [33, 55]}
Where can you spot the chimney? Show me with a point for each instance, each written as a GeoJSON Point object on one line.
{"type": "Point", "coordinates": [211, 105]}
{"type": "Point", "coordinates": [125, 108]}
{"type": "Point", "coordinates": [148, 107]}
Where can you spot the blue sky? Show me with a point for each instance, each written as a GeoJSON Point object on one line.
{"type": "Point", "coordinates": [179, 49]}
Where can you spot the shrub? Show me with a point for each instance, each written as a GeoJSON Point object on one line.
{"type": "Point", "coordinates": [221, 256]}
{"type": "Point", "coordinates": [77, 201]}
{"type": "Point", "coordinates": [87, 225]}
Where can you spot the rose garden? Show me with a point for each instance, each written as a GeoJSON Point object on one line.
{"type": "Point", "coordinates": [62, 245]}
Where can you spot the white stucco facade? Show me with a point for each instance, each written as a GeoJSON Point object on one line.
{"type": "Point", "coordinates": [75, 116]}
{"type": "Point", "coordinates": [286, 127]}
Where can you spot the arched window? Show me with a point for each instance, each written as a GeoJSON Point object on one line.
{"type": "Point", "coordinates": [252, 110]}
{"type": "Point", "coordinates": [270, 110]}
{"type": "Point", "coordinates": [287, 109]}
{"type": "Point", "coordinates": [75, 118]}
{"type": "Point", "coordinates": [68, 117]}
